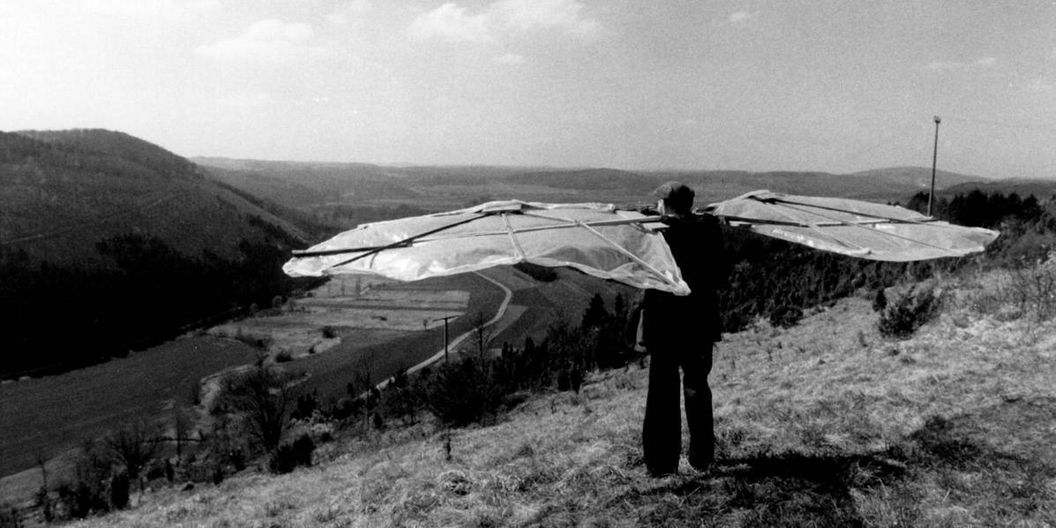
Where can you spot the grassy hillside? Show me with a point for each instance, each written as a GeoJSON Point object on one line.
{"type": "Point", "coordinates": [823, 424]}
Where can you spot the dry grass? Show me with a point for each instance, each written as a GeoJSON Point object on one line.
{"type": "Point", "coordinates": [823, 424]}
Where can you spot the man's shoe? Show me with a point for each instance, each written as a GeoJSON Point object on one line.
{"type": "Point", "coordinates": [702, 465]}
{"type": "Point", "coordinates": [661, 473]}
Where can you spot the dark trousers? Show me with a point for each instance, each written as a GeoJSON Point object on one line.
{"type": "Point", "coordinates": [662, 430]}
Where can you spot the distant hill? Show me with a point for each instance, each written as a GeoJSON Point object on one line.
{"type": "Point", "coordinates": [64, 191]}
{"type": "Point", "coordinates": [589, 179]}
{"type": "Point", "coordinates": [321, 187]}
{"type": "Point", "coordinates": [891, 184]}
{"type": "Point", "coordinates": [919, 177]}
{"type": "Point", "coordinates": [301, 184]}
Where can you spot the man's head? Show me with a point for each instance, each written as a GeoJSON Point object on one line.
{"type": "Point", "coordinates": [675, 198]}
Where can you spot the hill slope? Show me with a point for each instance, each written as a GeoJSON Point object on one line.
{"type": "Point", "coordinates": [109, 244]}
{"type": "Point", "coordinates": [64, 191]}
{"type": "Point", "coordinates": [823, 424]}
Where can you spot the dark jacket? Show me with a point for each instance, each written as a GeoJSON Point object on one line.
{"type": "Point", "coordinates": [696, 244]}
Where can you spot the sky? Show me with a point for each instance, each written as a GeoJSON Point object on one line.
{"type": "Point", "coordinates": [798, 85]}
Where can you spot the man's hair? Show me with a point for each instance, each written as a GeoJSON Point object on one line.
{"type": "Point", "coordinates": [677, 196]}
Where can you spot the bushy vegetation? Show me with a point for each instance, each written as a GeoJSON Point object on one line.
{"type": "Point", "coordinates": [103, 477]}
{"type": "Point", "coordinates": [292, 455]}
{"type": "Point", "coordinates": [1027, 224]}
{"type": "Point", "coordinates": [773, 279]}
{"type": "Point", "coordinates": [9, 517]}
{"type": "Point", "coordinates": [908, 312]}
{"type": "Point", "coordinates": [1032, 288]}
{"type": "Point", "coordinates": [778, 280]}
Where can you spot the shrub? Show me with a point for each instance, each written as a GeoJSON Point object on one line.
{"type": "Point", "coordinates": [464, 392]}
{"type": "Point", "coordinates": [258, 342]}
{"type": "Point", "coordinates": [9, 517]}
{"type": "Point", "coordinates": [880, 301]}
{"type": "Point", "coordinates": [289, 456]}
{"type": "Point", "coordinates": [908, 312]}
{"type": "Point", "coordinates": [306, 406]}
{"type": "Point", "coordinates": [119, 488]}
{"type": "Point", "coordinates": [1033, 289]}
{"type": "Point", "coordinates": [87, 492]}
{"type": "Point", "coordinates": [785, 316]}
{"type": "Point", "coordinates": [402, 402]}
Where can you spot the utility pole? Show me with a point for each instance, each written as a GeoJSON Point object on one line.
{"type": "Point", "coordinates": [934, 160]}
{"type": "Point", "coordinates": [445, 320]}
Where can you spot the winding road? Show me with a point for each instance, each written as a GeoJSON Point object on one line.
{"type": "Point", "coordinates": [454, 343]}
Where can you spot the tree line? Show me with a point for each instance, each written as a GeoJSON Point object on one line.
{"type": "Point", "coordinates": [60, 317]}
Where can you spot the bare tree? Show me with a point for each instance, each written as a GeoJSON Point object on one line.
{"type": "Point", "coordinates": [263, 396]}
{"type": "Point", "coordinates": [482, 333]}
{"type": "Point", "coordinates": [133, 447]}
{"type": "Point", "coordinates": [363, 380]}
{"type": "Point", "coordinates": [43, 494]}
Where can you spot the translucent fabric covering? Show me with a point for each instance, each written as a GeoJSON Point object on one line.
{"type": "Point", "coordinates": [594, 238]}
{"type": "Point", "coordinates": [852, 227]}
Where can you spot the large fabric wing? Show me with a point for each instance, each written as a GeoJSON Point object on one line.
{"type": "Point", "coordinates": [852, 227]}
{"type": "Point", "coordinates": [594, 238]}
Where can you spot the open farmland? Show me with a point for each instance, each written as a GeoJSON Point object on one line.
{"type": "Point", "coordinates": [385, 335]}
{"type": "Point", "coordinates": [49, 415]}
{"type": "Point", "coordinates": [370, 309]}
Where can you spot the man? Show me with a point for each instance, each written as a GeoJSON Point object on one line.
{"type": "Point", "coordinates": [680, 331]}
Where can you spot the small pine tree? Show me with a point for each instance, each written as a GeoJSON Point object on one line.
{"type": "Point", "coordinates": [596, 315]}
{"type": "Point", "coordinates": [880, 301]}
{"type": "Point", "coordinates": [119, 488]}
{"type": "Point", "coordinates": [908, 313]}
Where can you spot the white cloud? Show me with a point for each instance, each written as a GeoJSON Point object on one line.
{"type": "Point", "coordinates": [168, 9]}
{"type": "Point", "coordinates": [944, 65]}
{"type": "Point", "coordinates": [1039, 85]}
{"type": "Point", "coordinates": [543, 14]}
{"type": "Point", "coordinates": [450, 22]}
{"type": "Point", "coordinates": [983, 62]}
{"type": "Point", "coordinates": [453, 23]}
{"type": "Point", "coordinates": [265, 41]}
{"type": "Point", "coordinates": [351, 13]}
{"type": "Point", "coordinates": [510, 58]}
{"type": "Point", "coordinates": [741, 17]}
{"type": "Point", "coordinates": [248, 101]}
